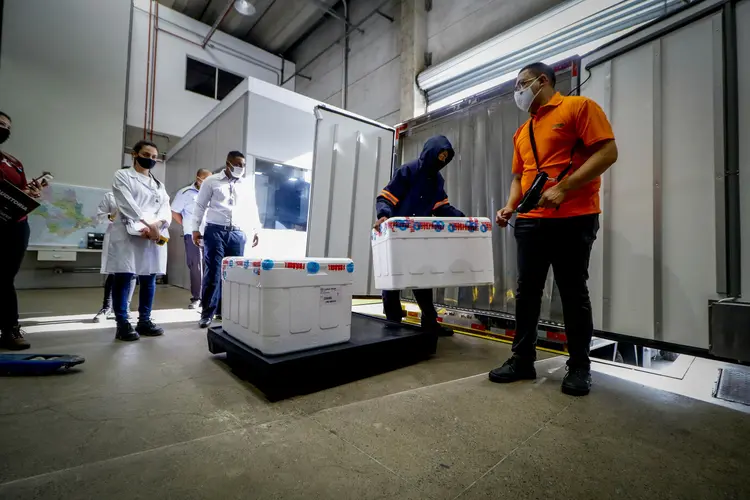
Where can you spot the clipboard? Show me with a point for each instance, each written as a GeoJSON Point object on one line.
{"type": "Point", "coordinates": [14, 203]}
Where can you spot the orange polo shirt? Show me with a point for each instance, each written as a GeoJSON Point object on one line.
{"type": "Point", "coordinates": [557, 126]}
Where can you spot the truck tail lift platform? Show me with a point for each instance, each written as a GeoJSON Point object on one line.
{"type": "Point", "coordinates": [376, 346]}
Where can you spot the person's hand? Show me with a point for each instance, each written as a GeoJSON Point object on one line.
{"type": "Point", "coordinates": [145, 233]}
{"type": "Point", "coordinates": [154, 231]}
{"type": "Point", "coordinates": [197, 237]}
{"type": "Point", "coordinates": [377, 224]}
{"type": "Point", "coordinates": [552, 197]}
{"type": "Point", "coordinates": [255, 240]}
{"type": "Point", "coordinates": [33, 189]}
{"type": "Point", "coordinates": [503, 216]}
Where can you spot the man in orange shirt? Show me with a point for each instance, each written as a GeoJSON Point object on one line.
{"type": "Point", "coordinates": [570, 140]}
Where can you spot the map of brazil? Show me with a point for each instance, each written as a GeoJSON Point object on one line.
{"type": "Point", "coordinates": [66, 215]}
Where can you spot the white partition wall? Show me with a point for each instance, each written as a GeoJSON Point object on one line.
{"type": "Point", "coordinates": [352, 164]}
{"type": "Point", "coordinates": [334, 179]}
{"type": "Point", "coordinates": [659, 258]}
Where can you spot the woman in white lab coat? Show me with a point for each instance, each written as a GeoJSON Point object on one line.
{"type": "Point", "coordinates": [105, 213]}
{"type": "Point", "coordinates": [137, 240]}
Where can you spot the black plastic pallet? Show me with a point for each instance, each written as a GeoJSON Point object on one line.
{"type": "Point", "coordinates": [376, 346]}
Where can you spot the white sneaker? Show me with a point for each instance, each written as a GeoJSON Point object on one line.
{"type": "Point", "coordinates": [194, 304]}
{"type": "Point", "coordinates": [103, 313]}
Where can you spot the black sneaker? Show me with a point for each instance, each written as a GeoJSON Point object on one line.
{"type": "Point", "coordinates": [204, 323]}
{"type": "Point", "coordinates": [12, 339]}
{"type": "Point", "coordinates": [102, 314]}
{"type": "Point", "coordinates": [513, 370]}
{"type": "Point", "coordinates": [577, 382]}
{"type": "Point", "coordinates": [437, 329]}
{"type": "Point", "coordinates": [217, 317]}
{"type": "Point", "coordinates": [149, 329]}
{"type": "Point", "coordinates": [126, 333]}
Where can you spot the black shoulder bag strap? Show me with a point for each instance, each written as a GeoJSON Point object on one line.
{"type": "Point", "coordinates": [536, 154]}
{"type": "Point", "coordinates": [532, 196]}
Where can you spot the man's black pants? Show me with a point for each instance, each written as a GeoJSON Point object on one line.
{"type": "Point", "coordinates": [565, 244]}
{"type": "Point", "coordinates": [392, 305]}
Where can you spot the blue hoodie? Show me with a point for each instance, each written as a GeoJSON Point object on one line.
{"type": "Point", "coordinates": [417, 189]}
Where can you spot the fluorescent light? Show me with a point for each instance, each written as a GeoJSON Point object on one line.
{"type": "Point", "coordinates": [258, 173]}
{"type": "Point", "coordinates": [583, 49]}
{"type": "Point", "coordinates": [278, 165]}
{"type": "Point", "coordinates": [293, 179]}
{"type": "Point", "coordinates": [244, 7]}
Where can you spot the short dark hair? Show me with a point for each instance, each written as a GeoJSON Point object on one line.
{"type": "Point", "coordinates": [538, 69]}
{"type": "Point", "coordinates": [142, 144]}
{"type": "Point", "coordinates": [6, 115]}
{"type": "Point", "coordinates": [235, 154]}
{"type": "Point", "coordinates": [201, 171]}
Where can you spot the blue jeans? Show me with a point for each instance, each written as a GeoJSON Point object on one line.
{"type": "Point", "coordinates": [217, 244]}
{"type": "Point", "coordinates": [121, 296]}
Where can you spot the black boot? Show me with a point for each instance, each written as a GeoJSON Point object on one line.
{"type": "Point", "coordinates": [513, 370]}
{"type": "Point", "coordinates": [126, 333]}
{"type": "Point", "coordinates": [577, 381]}
{"type": "Point", "coordinates": [437, 329]}
{"type": "Point", "coordinates": [148, 328]}
{"type": "Point", "coordinates": [12, 339]}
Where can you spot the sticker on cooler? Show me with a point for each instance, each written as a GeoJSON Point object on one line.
{"type": "Point", "coordinates": [330, 295]}
{"type": "Point", "coordinates": [412, 225]}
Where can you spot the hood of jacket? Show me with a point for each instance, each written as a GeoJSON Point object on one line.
{"type": "Point", "coordinates": [428, 159]}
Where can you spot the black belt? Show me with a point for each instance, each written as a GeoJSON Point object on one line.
{"type": "Point", "coordinates": [224, 228]}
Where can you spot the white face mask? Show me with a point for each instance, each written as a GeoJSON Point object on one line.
{"type": "Point", "coordinates": [525, 97]}
{"type": "Point", "coordinates": [236, 172]}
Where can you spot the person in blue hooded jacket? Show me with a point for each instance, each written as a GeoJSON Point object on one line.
{"type": "Point", "coordinates": [418, 190]}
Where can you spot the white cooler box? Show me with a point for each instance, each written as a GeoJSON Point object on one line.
{"type": "Point", "coordinates": [279, 307]}
{"type": "Point", "coordinates": [432, 252]}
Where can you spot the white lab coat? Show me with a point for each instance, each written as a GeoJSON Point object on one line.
{"type": "Point", "coordinates": [106, 207]}
{"type": "Point", "coordinates": [137, 200]}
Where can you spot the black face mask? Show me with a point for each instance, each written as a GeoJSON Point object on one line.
{"type": "Point", "coordinates": [4, 134]}
{"type": "Point", "coordinates": [146, 163]}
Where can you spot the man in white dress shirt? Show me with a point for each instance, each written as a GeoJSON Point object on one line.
{"type": "Point", "coordinates": [227, 200]}
{"type": "Point", "coordinates": [183, 207]}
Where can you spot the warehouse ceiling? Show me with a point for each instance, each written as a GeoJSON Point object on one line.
{"type": "Point", "coordinates": [276, 26]}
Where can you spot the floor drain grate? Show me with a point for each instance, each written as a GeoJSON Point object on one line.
{"type": "Point", "coordinates": [733, 385]}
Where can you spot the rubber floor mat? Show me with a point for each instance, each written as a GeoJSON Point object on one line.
{"type": "Point", "coordinates": [733, 385]}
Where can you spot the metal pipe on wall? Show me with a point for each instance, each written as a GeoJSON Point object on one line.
{"type": "Point", "coordinates": [732, 153]}
{"type": "Point", "coordinates": [153, 71]}
{"type": "Point", "coordinates": [148, 67]}
{"type": "Point", "coordinates": [345, 36]}
{"type": "Point", "coordinates": [217, 23]}
{"type": "Point", "coordinates": [217, 46]}
{"type": "Point", "coordinates": [345, 62]}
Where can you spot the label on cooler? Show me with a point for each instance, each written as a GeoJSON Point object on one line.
{"type": "Point", "coordinates": [311, 266]}
{"type": "Point", "coordinates": [452, 225]}
{"type": "Point", "coordinates": [330, 295]}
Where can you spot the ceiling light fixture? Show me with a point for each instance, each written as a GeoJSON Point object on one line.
{"type": "Point", "coordinates": [244, 7]}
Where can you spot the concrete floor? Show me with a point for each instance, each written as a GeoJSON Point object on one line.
{"type": "Point", "coordinates": [162, 418]}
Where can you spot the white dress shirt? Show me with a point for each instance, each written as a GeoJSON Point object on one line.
{"type": "Point", "coordinates": [184, 204]}
{"type": "Point", "coordinates": [226, 201]}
